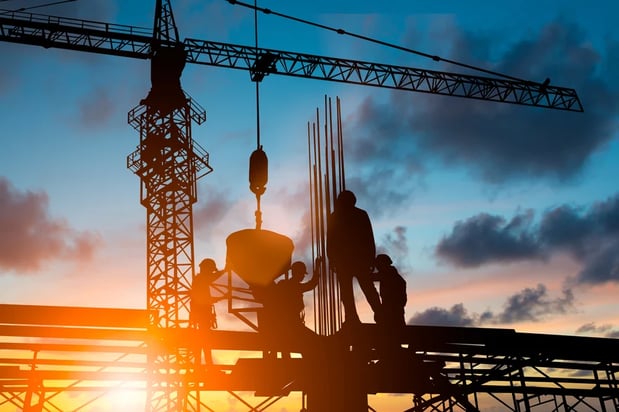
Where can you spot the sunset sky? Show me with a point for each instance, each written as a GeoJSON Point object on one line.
{"type": "Point", "coordinates": [497, 215]}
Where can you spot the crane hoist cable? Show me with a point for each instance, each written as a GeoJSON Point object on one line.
{"type": "Point", "coordinates": [383, 43]}
{"type": "Point", "coordinates": [258, 161]}
{"type": "Point", "coordinates": [256, 80]}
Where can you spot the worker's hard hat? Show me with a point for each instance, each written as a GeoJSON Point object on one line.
{"type": "Point", "coordinates": [208, 265]}
{"type": "Point", "coordinates": [299, 267]}
{"type": "Point", "coordinates": [346, 199]}
{"type": "Point", "coordinates": [383, 260]}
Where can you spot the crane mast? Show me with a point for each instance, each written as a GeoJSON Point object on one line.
{"type": "Point", "coordinates": [169, 163]}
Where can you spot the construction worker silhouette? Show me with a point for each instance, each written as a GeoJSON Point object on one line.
{"type": "Point", "coordinates": [393, 295]}
{"type": "Point", "coordinates": [283, 313]}
{"type": "Point", "coordinates": [351, 251]}
{"type": "Point", "coordinates": [391, 320]}
{"type": "Point", "coordinates": [202, 314]}
{"type": "Point", "coordinates": [290, 292]}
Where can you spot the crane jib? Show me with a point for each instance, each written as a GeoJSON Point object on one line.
{"type": "Point", "coordinates": [135, 42]}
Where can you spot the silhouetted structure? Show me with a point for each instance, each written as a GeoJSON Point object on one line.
{"type": "Point", "coordinates": [202, 311]}
{"type": "Point", "coordinates": [169, 163]}
{"type": "Point", "coordinates": [391, 320]}
{"type": "Point", "coordinates": [51, 354]}
{"type": "Point", "coordinates": [462, 363]}
{"type": "Point", "coordinates": [351, 251]}
{"type": "Point", "coordinates": [289, 293]}
{"type": "Point", "coordinates": [392, 290]}
{"type": "Point", "coordinates": [284, 310]}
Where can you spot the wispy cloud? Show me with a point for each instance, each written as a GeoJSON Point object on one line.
{"type": "Point", "coordinates": [532, 305]}
{"type": "Point", "coordinates": [395, 244]}
{"type": "Point", "coordinates": [605, 330]}
{"type": "Point", "coordinates": [212, 210]}
{"type": "Point", "coordinates": [96, 109]}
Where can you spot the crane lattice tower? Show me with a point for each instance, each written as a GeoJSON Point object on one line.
{"type": "Point", "coordinates": [169, 163]}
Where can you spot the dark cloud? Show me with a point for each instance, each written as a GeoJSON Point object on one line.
{"type": "Point", "coordinates": [592, 328]}
{"type": "Point", "coordinates": [30, 237]}
{"type": "Point", "coordinates": [457, 315]}
{"type": "Point", "coordinates": [532, 305]}
{"type": "Point", "coordinates": [565, 227]}
{"type": "Point", "coordinates": [487, 238]}
{"type": "Point", "coordinates": [526, 305]}
{"type": "Point", "coordinates": [499, 142]}
{"type": "Point", "coordinates": [591, 236]}
{"type": "Point", "coordinates": [601, 265]}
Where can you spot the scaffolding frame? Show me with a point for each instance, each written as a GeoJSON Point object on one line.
{"type": "Point", "coordinates": [51, 351]}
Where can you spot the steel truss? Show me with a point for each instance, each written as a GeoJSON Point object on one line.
{"type": "Point", "coordinates": [135, 42]}
{"type": "Point", "coordinates": [48, 353]}
{"type": "Point", "coordinates": [169, 164]}
{"type": "Point", "coordinates": [518, 371]}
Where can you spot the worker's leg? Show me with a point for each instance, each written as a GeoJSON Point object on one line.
{"type": "Point", "coordinates": [370, 292]}
{"type": "Point", "coordinates": [348, 297]}
{"type": "Point", "coordinates": [206, 347]}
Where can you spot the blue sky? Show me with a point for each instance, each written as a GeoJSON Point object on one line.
{"type": "Point", "coordinates": [497, 215]}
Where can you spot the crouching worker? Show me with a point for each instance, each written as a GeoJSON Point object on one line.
{"type": "Point", "coordinates": [391, 321]}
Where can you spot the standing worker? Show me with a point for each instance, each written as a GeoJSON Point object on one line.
{"type": "Point", "coordinates": [351, 251]}
{"type": "Point", "coordinates": [286, 310]}
{"type": "Point", "coordinates": [290, 291]}
{"type": "Point", "coordinates": [202, 310]}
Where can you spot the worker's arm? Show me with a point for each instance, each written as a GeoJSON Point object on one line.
{"type": "Point", "coordinates": [313, 282]}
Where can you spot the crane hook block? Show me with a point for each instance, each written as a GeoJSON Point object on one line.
{"type": "Point", "coordinates": [258, 171]}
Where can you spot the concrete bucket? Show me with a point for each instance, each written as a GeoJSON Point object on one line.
{"type": "Point", "coordinates": [258, 256]}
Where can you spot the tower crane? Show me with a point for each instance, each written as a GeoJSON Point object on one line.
{"type": "Point", "coordinates": [169, 162]}
{"type": "Point", "coordinates": [136, 42]}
